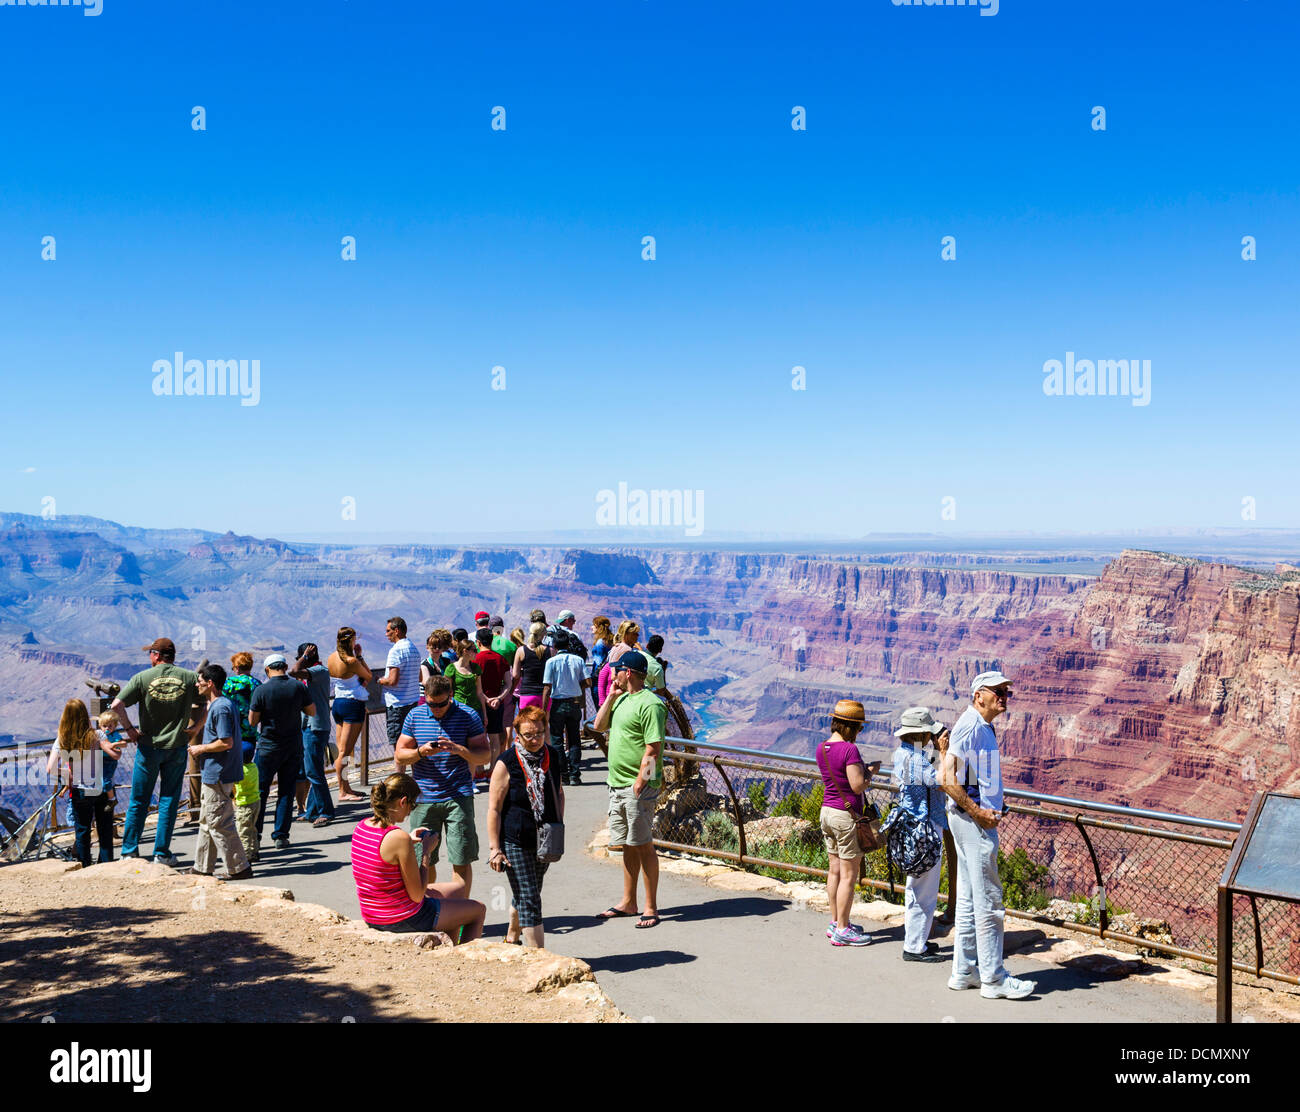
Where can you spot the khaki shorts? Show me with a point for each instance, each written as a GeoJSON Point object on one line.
{"type": "Point", "coordinates": [841, 832]}
{"type": "Point", "coordinates": [631, 816]}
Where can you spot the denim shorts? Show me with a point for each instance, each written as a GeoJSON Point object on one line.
{"type": "Point", "coordinates": [348, 710]}
{"type": "Point", "coordinates": [426, 919]}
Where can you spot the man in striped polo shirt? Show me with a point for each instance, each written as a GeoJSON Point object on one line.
{"type": "Point", "coordinates": [440, 742]}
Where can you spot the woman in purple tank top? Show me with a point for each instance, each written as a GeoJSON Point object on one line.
{"type": "Point", "coordinates": [844, 779]}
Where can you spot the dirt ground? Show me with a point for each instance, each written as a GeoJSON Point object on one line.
{"type": "Point", "coordinates": [136, 941]}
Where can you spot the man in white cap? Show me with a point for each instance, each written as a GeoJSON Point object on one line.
{"type": "Point", "coordinates": [972, 778]}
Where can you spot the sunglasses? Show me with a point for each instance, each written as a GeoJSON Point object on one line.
{"type": "Point", "coordinates": [531, 737]}
{"type": "Point", "coordinates": [439, 706]}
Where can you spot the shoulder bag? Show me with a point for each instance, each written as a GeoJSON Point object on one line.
{"type": "Point", "coordinates": [870, 837]}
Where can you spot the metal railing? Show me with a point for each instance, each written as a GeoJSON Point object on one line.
{"type": "Point", "coordinates": [1141, 877]}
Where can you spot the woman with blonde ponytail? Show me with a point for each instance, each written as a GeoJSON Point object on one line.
{"type": "Point", "coordinates": [393, 888]}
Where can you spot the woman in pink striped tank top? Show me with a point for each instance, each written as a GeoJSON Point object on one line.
{"type": "Point", "coordinates": [393, 890]}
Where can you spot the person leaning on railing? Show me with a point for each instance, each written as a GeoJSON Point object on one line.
{"type": "Point", "coordinates": [844, 780]}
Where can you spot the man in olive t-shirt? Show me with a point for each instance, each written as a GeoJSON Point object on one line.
{"type": "Point", "coordinates": [635, 719]}
{"type": "Point", "coordinates": [166, 695]}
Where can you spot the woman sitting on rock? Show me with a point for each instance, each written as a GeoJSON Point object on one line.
{"type": "Point", "coordinates": [393, 890]}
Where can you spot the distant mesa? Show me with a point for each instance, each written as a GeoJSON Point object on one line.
{"type": "Point", "coordinates": [581, 566]}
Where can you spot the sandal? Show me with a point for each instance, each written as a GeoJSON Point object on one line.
{"type": "Point", "coordinates": [646, 922]}
{"type": "Point", "coordinates": [615, 913]}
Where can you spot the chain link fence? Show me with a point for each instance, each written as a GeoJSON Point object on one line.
{"type": "Point", "coordinates": [1148, 883]}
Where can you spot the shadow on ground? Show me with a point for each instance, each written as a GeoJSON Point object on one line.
{"type": "Point", "coordinates": [84, 954]}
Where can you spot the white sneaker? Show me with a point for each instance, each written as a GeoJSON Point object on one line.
{"type": "Point", "coordinates": [967, 980]}
{"type": "Point", "coordinates": [1010, 988]}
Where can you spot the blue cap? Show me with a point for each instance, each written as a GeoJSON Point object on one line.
{"type": "Point", "coordinates": [633, 662]}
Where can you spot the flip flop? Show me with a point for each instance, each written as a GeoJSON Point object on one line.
{"type": "Point", "coordinates": [646, 922]}
{"type": "Point", "coordinates": [615, 913]}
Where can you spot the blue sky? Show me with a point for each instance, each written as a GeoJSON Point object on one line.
{"type": "Point", "coordinates": [775, 248]}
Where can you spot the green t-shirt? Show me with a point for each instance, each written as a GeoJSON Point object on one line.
{"type": "Point", "coordinates": [637, 721]}
{"type": "Point", "coordinates": [505, 649]}
{"type": "Point", "coordinates": [165, 694]}
{"type": "Point", "coordinates": [654, 673]}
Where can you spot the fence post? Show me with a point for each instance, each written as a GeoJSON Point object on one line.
{"type": "Point", "coordinates": [735, 806]}
{"type": "Point", "coordinates": [1103, 916]}
{"type": "Point", "coordinates": [365, 753]}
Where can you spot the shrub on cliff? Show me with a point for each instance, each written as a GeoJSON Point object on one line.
{"type": "Point", "coordinates": [757, 794]}
{"type": "Point", "coordinates": [1023, 881]}
{"type": "Point", "coordinates": [719, 832]}
{"type": "Point", "coordinates": [802, 805]}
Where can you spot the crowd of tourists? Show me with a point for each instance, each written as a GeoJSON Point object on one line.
{"type": "Point", "coordinates": [503, 714]}
{"type": "Point", "coordinates": [491, 712]}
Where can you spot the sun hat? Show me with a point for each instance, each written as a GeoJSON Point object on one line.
{"type": "Point", "coordinates": [917, 720]}
{"type": "Point", "coordinates": [849, 710]}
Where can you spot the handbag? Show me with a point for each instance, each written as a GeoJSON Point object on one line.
{"type": "Point", "coordinates": [550, 835]}
{"type": "Point", "coordinates": [870, 837]}
{"type": "Point", "coordinates": [912, 843]}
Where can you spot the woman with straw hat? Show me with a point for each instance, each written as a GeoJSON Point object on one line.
{"type": "Point", "coordinates": [844, 778]}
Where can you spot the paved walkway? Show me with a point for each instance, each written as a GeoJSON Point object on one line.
{"type": "Point", "coordinates": [720, 955]}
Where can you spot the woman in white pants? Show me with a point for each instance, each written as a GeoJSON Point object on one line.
{"type": "Point", "coordinates": [921, 740]}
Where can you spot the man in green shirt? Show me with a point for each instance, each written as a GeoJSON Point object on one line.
{"type": "Point", "coordinates": [167, 696]}
{"type": "Point", "coordinates": [635, 720]}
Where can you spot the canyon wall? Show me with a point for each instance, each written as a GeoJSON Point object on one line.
{"type": "Point", "coordinates": [1167, 682]}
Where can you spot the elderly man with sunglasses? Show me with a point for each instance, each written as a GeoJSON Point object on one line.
{"type": "Point", "coordinates": [441, 741]}
{"type": "Point", "coordinates": [972, 778]}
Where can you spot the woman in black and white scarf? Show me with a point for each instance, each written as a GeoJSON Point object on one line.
{"type": "Point", "coordinates": [524, 794]}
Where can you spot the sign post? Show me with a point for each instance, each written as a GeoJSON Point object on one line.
{"type": "Point", "coordinates": [1264, 862]}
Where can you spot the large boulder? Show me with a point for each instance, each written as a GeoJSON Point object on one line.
{"type": "Point", "coordinates": [784, 830]}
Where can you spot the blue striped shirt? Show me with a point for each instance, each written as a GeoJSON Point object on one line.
{"type": "Point", "coordinates": [444, 776]}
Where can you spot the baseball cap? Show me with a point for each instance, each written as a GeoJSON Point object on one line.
{"type": "Point", "coordinates": [633, 662]}
{"type": "Point", "coordinates": [481, 616]}
{"type": "Point", "coordinates": [275, 660]}
{"type": "Point", "coordinates": [565, 615]}
{"type": "Point", "coordinates": [498, 621]}
{"type": "Point", "coordinates": [988, 679]}
{"type": "Point", "coordinates": [161, 645]}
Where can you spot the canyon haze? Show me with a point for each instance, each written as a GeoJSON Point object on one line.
{"type": "Point", "coordinates": [1154, 670]}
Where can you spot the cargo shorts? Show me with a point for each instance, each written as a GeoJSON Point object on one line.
{"type": "Point", "coordinates": [631, 816]}
{"type": "Point", "coordinates": [454, 820]}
